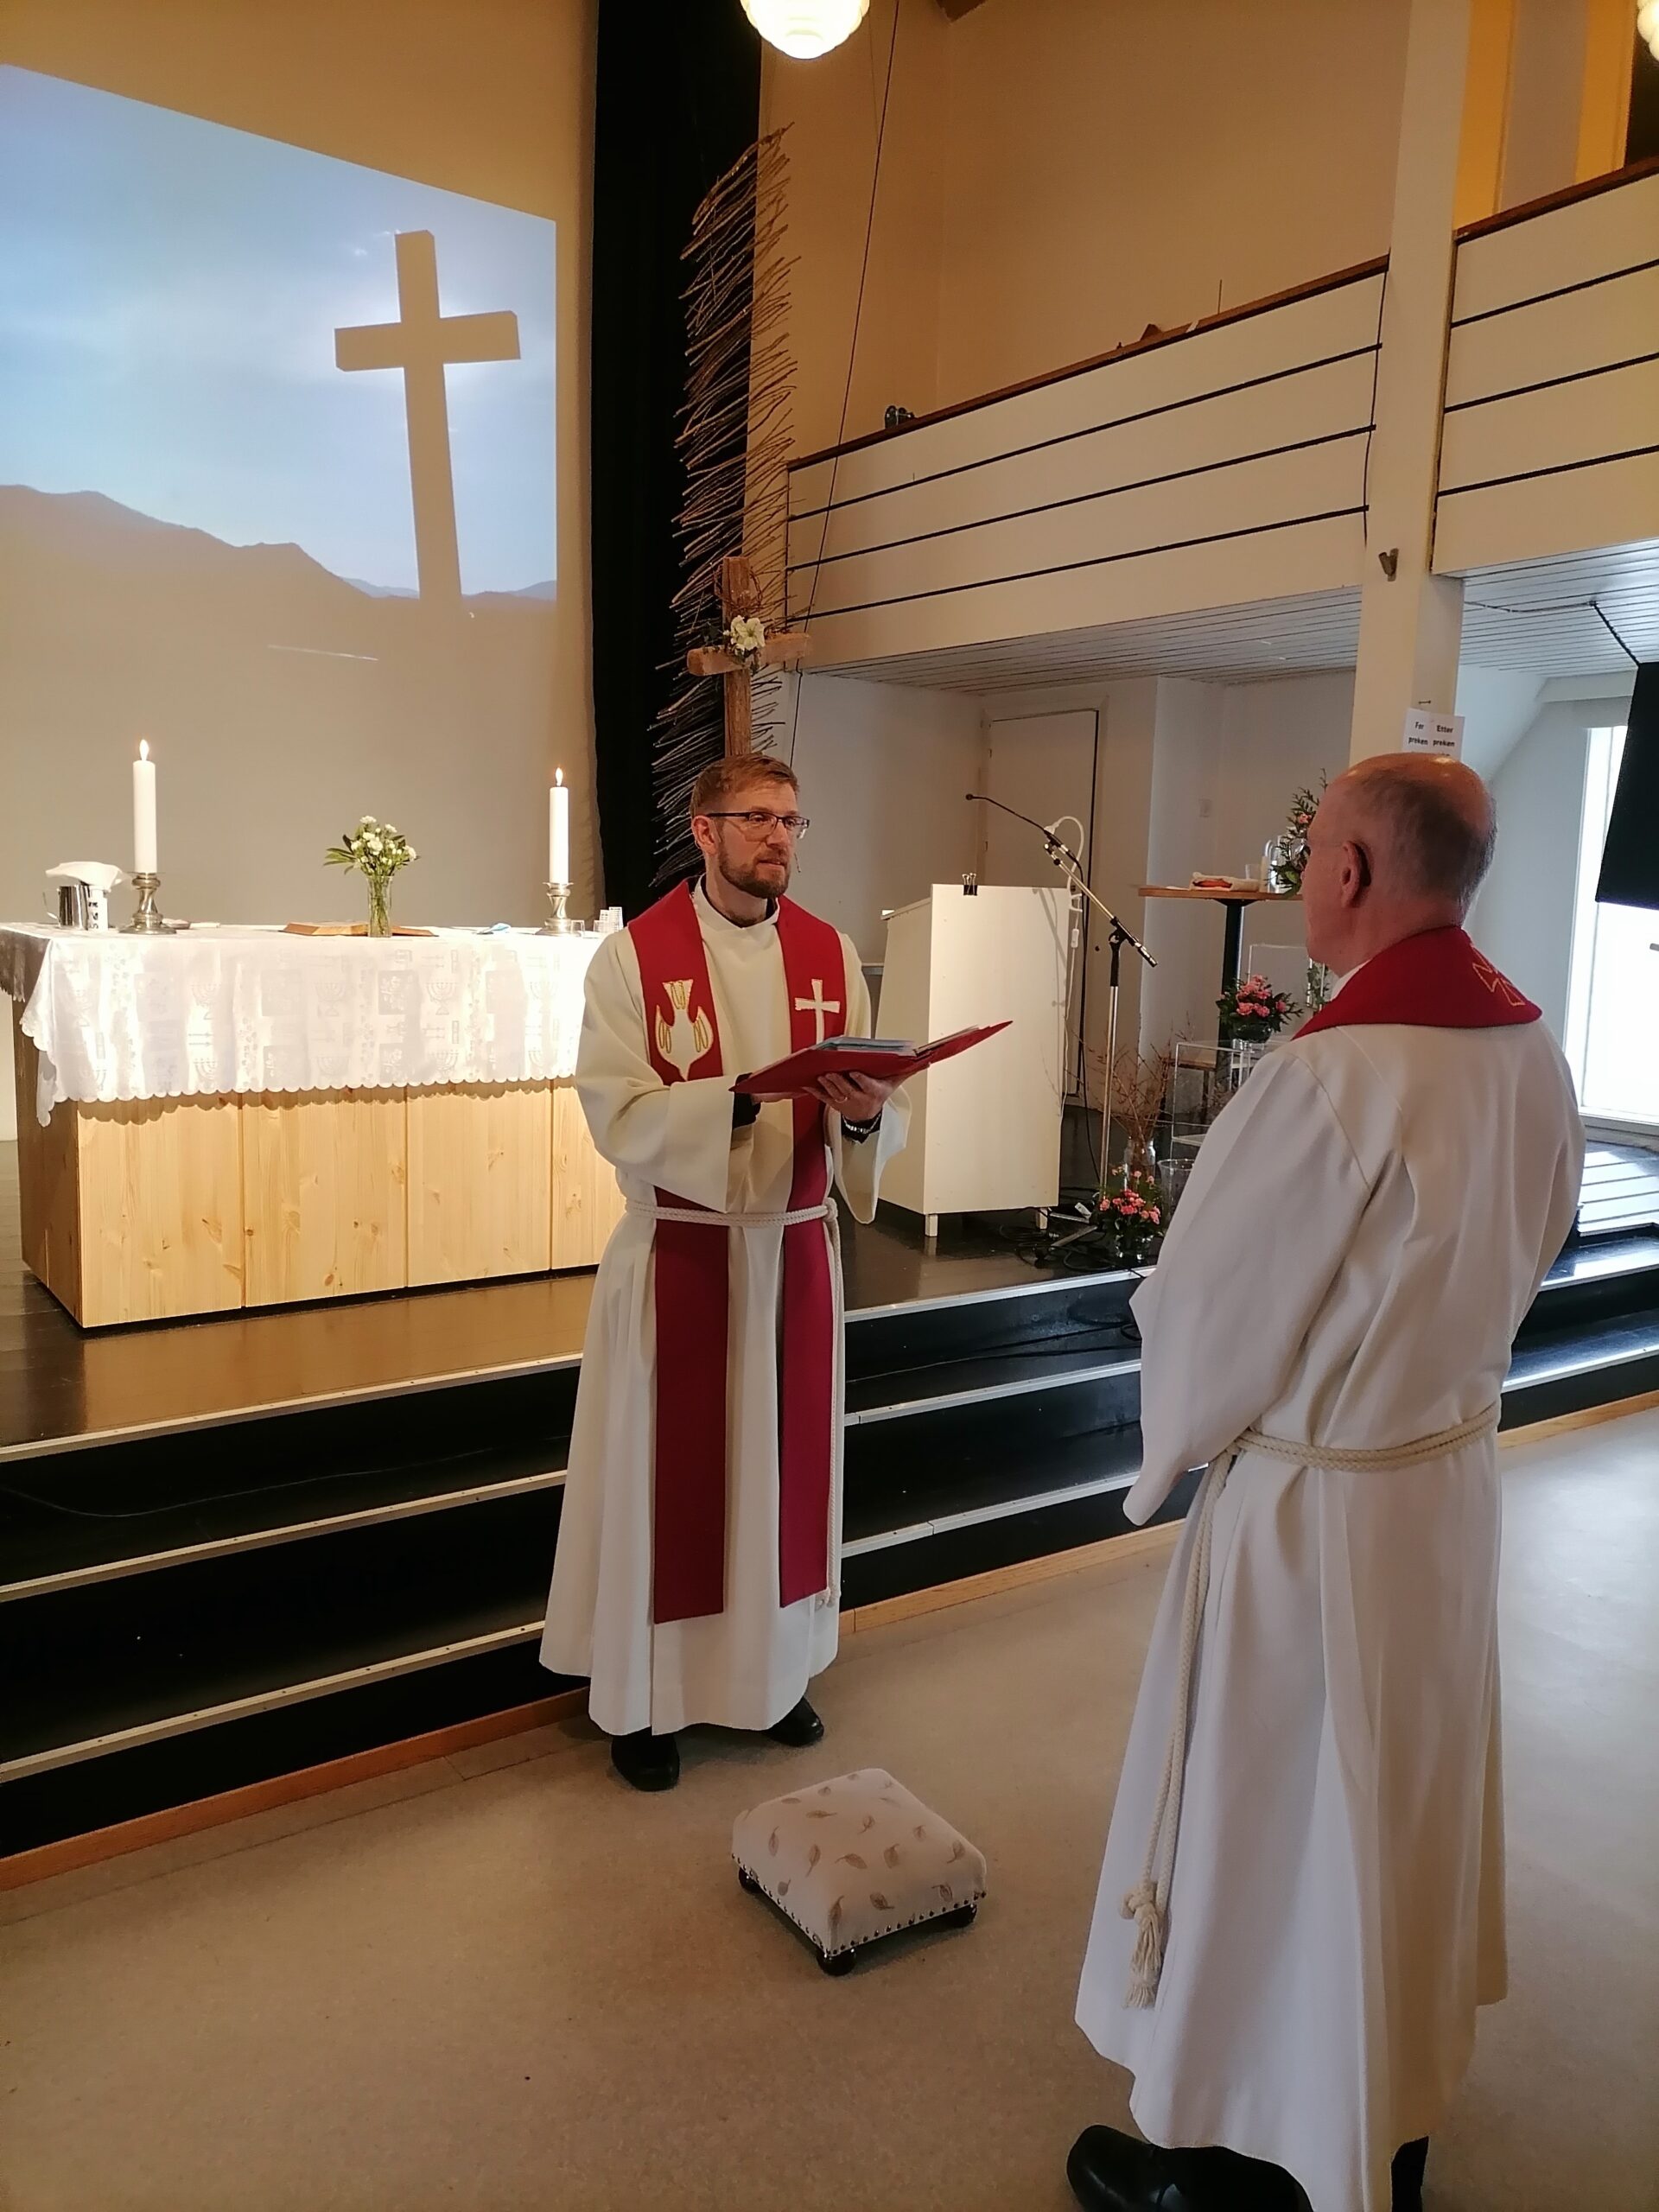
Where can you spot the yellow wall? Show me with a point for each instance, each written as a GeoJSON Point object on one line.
{"type": "Point", "coordinates": [1087, 166]}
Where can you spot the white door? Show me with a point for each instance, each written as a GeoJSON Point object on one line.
{"type": "Point", "coordinates": [1042, 765]}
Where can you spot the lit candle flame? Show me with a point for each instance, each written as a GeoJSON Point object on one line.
{"type": "Point", "coordinates": [143, 749]}
{"type": "Point", "coordinates": [558, 775]}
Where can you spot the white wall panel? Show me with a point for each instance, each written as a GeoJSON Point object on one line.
{"type": "Point", "coordinates": [1175, 478]}
{"type": "Point", "coordinates": [1551, 439]}
{"type": "Point", "coordinates": [1552, 429]}
{"type": "Point", "coordinates": [1588, 238]}
{"type": "Point", "coordinates": [1562, 336]}
{"type": "Point", "coordinates": [1314, 558]}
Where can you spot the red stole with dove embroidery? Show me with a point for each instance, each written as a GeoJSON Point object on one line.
{"type": "Point", "coordinates": [692, 1292]}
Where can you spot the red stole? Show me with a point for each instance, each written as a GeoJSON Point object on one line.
{"type": "Point", "coordinates": [692, 1295]}
{"type": "Point", "coordinates": [1433, 980]}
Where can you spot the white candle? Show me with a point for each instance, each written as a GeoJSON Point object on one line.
{"type": "Point", "coordinates": [558, 830]}
{"type": "Point", "coordinates": [143, 812]}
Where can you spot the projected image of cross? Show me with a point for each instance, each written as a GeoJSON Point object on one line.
{"type": "Point", "coordinates": [421, 343]}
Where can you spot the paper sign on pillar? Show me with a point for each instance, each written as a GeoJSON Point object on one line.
{"type": "Point", "coordinates": [1427, 731]}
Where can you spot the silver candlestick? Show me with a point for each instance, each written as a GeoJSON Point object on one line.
{"type": "Point", "coordinates": [558, 923]}
{"type": "Point", "coordinates": [147, 919]}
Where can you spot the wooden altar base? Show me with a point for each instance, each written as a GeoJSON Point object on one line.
{"type": "Point", "coordinates": [156, 1208]}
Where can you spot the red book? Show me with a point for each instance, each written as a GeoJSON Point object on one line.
{"type": "Point", "coordinates": [794, 1077]}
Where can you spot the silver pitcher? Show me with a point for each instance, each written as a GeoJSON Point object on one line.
{"type": "Point", "coordinates": [74, 906]}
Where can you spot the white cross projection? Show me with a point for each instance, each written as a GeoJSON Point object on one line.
{"type": "Point", "coordinates": [421, 343]}
{"type": "Point", "coordinates": [818, 1005]}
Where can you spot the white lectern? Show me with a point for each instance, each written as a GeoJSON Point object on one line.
{"type": "Point", "coordinates": [985, 1129]}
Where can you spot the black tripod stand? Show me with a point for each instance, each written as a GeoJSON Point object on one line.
{"type": "Point", "coordinates": [1118, 936]}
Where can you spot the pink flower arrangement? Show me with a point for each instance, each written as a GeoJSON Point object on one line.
{"type": "Point", "coordinates": [1132, 1218]}
{"type": "Point", "coordinates": [1251, 1007]}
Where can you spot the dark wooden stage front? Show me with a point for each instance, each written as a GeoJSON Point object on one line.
{"type": "Point", "coordinates": [233, 1548]}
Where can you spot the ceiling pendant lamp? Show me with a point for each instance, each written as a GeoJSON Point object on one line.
{"type": "Point", "coordinates": [805, 28]}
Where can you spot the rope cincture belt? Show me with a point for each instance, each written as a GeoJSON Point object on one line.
{"type": "Point", "coordinates": [698, 1217]}
{"type": "Point", "coordinates": [1148, 1903]}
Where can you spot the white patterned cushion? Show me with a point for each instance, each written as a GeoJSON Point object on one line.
{"type": "Point", "coordinates": [856, 1858]}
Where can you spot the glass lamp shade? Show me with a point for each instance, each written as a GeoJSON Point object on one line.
{"type": "Point", "coordinates": [805, 28]}
{"type": "Point", "coordinates": [1647, 22]}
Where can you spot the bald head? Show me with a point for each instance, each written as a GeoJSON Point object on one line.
{"type": "Point", "coordinates": [1400, 844]}
{"type": "Point", "coordinates": [1429, 824]}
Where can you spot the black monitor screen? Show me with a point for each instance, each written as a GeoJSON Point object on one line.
{"type": "Point", "coordinates": [1630, 859]}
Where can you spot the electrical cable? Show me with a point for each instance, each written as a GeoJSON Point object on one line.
{"type": "Point", "coordinates": [1561, 607]}
{"type": "Point", "coordinates": [852, 362]}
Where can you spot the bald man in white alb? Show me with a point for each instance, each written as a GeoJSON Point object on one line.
{"type": "Point", "coordinates": [1301, 1905]}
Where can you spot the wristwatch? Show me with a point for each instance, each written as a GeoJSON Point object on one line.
{"type": "Point", "coordinates": [860, 1132]}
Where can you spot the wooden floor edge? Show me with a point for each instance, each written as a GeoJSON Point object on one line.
{"type": "Point", "coordinates": [74, 1852]}
{"type": "Point", "coordinates": [1138, 1548]}
{"type": "Point", "coordinates": [1540, 1431]}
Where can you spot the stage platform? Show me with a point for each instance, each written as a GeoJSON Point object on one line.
{"type": "Point", "coordinates": [62, 1387]}
{"type": "Point", "coordinates": [237, 1547]}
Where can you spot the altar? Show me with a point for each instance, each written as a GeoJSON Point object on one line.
{"type": "Point", "coordinates": [240, 1117]}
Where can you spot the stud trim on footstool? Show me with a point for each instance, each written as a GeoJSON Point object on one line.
{"type": "Point", "coordinates": [852, 1861]}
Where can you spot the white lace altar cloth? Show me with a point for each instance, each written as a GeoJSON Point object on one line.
{"type": "Point", "coordinates": [216, 1011]}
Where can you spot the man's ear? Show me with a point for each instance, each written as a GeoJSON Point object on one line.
{"type": "Point", "coordinates": [1357, 872]}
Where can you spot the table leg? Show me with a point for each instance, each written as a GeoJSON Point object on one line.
{"type": "Point", "coordinates": [1232, 938]}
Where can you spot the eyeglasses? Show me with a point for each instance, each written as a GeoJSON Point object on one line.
{"type": "Point", "coordinates": [760, 822]}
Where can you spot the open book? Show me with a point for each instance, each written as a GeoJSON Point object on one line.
{"type": "Point", "coordinates": [889, 1058]}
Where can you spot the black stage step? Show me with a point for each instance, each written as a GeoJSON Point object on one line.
{"type": "Point", "coordinates": [185, 1612]}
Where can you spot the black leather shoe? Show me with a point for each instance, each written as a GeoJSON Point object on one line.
{"type": "Point", "coordinates": [647, 1762]}
{"type": "Point", "coordinates": [1410, 2163]}
{"type": "Point", "coordinates": [798, 1728]}
{"type": "Point", "coordinates": [1109, 2172]}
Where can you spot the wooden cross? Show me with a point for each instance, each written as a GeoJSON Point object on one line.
{"type": "Point", "coordinates": [740, 594]}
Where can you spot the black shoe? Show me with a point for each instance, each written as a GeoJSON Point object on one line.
{"type": "Point", "coordinates": [1410, 2162]}
{"type": "Point", "coordinates": [647, 1762]}
{"type": "Point", "coordinates": [1109, 2172]}
{"type": "Point", "coordinates": [798, 1728]}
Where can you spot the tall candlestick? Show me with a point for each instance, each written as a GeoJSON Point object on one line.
{"type": "Point", "coordinates": [558, 830]}
{"type": "Point", "coordinates": [143, 812]}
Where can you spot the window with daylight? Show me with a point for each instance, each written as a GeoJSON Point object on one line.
{"type": "Point", "coordinates": [1612, 1034]}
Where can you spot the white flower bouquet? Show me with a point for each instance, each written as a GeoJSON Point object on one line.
{"type": "Point", "coordinates": [377, 850]}
{"type": "Point", "coordinates": [744, 635]}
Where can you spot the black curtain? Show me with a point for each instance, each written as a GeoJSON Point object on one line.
{"type": "Point", "coordinates": [678, 98]}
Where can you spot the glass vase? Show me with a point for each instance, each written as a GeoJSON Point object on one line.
{"type": "Point", "coordinates": [1140, 1161]}
{"type": "Point", "coordinates": [380, 905]}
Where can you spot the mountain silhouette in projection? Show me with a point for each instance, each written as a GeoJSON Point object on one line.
{"type": "Point", "coordinates": [85, 531]}
{"type": "Point", "coordinates": [280, 699]}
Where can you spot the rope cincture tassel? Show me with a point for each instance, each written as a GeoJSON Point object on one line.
{"type": "Point", "coordinates": [1145, 1907]}
{"type": "Point", "coordinates": [1148, 1903]}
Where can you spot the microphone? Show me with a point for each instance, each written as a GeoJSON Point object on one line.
{"type": "Point", "coordinates": [1057, 848]}
{"type": "Point", "coordinates": [1063, 856]}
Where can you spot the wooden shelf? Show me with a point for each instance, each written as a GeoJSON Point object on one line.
{"type": "Point", "coordinates": [1224, 898]}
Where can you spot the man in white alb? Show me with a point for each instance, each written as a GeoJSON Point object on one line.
{"type": "Point", "coordinates": [1301, 1904]}
{"type": "Point", "coordinates": [696, 1578]}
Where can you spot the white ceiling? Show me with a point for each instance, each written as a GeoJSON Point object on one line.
{"type": "Point", "coordinates": [1514, 618]}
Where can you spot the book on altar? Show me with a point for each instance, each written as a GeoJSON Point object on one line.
{"type": "Point", "coordinates": [889, 1058]}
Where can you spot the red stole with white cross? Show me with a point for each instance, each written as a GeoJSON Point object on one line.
{"type": "Point", "coordinates": [693, 1291]}
{"type": "Point", "coordinates": [1436, 979]}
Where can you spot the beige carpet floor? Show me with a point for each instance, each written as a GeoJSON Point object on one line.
{"type": "Point", "coordinates": [503, 1981]}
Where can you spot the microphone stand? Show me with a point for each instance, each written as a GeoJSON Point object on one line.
{"type": "Point", "coordinates": [1072, 868]}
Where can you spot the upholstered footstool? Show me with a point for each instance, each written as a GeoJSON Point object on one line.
{"type": "Point", "coordinates": [854, 1860]}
